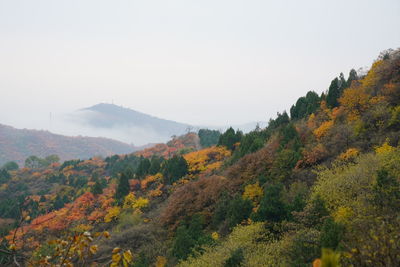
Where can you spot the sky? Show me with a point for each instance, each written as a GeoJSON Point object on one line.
{"type": "Point", "coordinates": [224, 62]}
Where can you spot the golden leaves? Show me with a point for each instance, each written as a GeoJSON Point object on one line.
{"type": "Point", "coordinates": [93, 249]}
{"type": "Point", "coordinates": [161, 261]}
{"type": "Point", "coordinates": [206, 159]}
{"type": "Point", "coordinates": [131, 202]}
{"type": "Point", "coordinates": [323, 129]}
{"type": "Point", "coordinates": [118, 257]}
{"type": "Point", "coordinates": [384, 149]}
{"type": "Point", "coordinates": [253, 192]}
{"type": "Point", "coordinates": [112, 214]}
{"type": "Point", "coordinates": [215, 236]}
{"type": "Point", "coordinates": [349, 154]}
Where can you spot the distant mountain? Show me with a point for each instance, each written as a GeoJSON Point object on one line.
{"type": "Point", "coordinates": [18, 144]}
{"type": "Point", "coordinates": [139, 128]}
{"type": "Point", "coordinates": [129, 125]}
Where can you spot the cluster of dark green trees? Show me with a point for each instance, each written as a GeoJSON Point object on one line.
{"type": "Point", "coordinates": [305, 105]}
{"type": "Point", "coordinates": [172, 170]}
{"type": "Point", "coordinates": [4, 176]}
{"type": "Point", "coordinates": [10, 166]}
{"type": "Point", "coordinates": [208, 137]}
{"type": "Point", "coordinates": [35, 162]}
{"type": "Point", "coordinates": [189, 236]}
{"type": "Point", "coordinates": [337, 87]}
{"type": "Point", "coordinates": [230, 138]}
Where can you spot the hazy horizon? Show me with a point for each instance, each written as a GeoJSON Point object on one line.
{"type": "Point", "coordinates": [200, 63]}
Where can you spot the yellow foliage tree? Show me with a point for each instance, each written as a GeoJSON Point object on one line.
{"type": "Point", "coordinates": [384, 149]}
{"type": "Point", "coordinates": [350, 154]}
{"type": "Point", "coordinates": [354, 100]}
{"type": "Point", "coordinates": [215, 236]}
{"type": "Point", "coordinates": [206, 159]}
{"type": "Point", "coordinates": [323, 129]}
{"type": "Point", "coordinates": [131, 202]}
{"type": "Point", "coordinates": [373, 75]}
{"type": "Point", "coordinates": [112, 214]}
{"type": "Point", "coordinates": [253, 192]}
{"type": "Point", "coordinates": [161, 261]}
{"type": "Point", "coordinates": [140, 203]}
{"type": "Point", "coordinates": [150, 179]}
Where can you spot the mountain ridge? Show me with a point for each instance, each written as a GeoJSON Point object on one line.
{"type": "Point", "coordinates": [18, 144]}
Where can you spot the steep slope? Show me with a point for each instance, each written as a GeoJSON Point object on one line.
{"type": "Point", "coordinates": [18, 144]}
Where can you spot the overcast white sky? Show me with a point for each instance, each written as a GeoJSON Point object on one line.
{"type": "Point", "coordinates": [199, 62]}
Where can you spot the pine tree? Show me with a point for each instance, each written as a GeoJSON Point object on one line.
{"type": "Point", "coordinates": [352, 77]}
{"type": "Point", "coordinates": [143, 168]}
{"type": "Point", "coordinates": [97, 188]}
{"type": "Point", "coordinates": [58, 203]}
{"type": "Point", "coordinates": [230, 138]}
{"type": "Point", "coordinates": [272, 208]}
{"type": "Point", "coordinates": [155, 165]}
{"type": "Point", "coordinates": [239, 210]}
{"type": "Point", "coordinates": [342, 83]}
{"type": "Point", "coordinates": [174, 168]}
{"type": "Point", "coordinates": [333, 93]}
{"type": "Point", "coordinates": [123, 188]}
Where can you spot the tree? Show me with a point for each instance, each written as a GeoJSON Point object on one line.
{"type": "Point", "coordinates": [4, 176]}
{"type": "Point", "coordinates": [155, 165]}
{"type": "Point", "coordinates": [34, 162]}
{"type": "Point", "coordinates": [58, 203]}
{"type": "Point", "coordinates": [342, 82]}
{"type": "Point", "coordinates": [51, 159]}
{"type": "Point", "coordinates": [355, 101]}
{"type": "Point", "coordinates": [290, 136]}
{"type": "Point", "coordinates": [10, 166]}
{"type": "Point", "coordinates": [281, 119]}
{"type": "Point", "coordinates": [221, 209]}
{"type": "Point", "coordinates": [305, 105]}
{"type": "Point", "coordinates": [143, 168]}
{"type": "Point", "coordinates": [304, 248]}
{"type": "Point", "coordinates": [183, 243]}
{"type": "Point", "coordinates": [333, 93]}
{"type": "Point", "coordinates": [272, 208]}
{"type": "Point", "coordinates": [236, 259]}
{"type": "Point", "coordinates": [331, 234]}
{"type": "Point", "coordinates": [230, 138]}
{"type": "Point", "coordinates": [97, 189]}
{"type": "Point", "coordinates": [174, 168]}
{"type": "Point", "coordinates": [239, 210]}
{"type": "Point", "coordinates": [251, 142]}
{"type": "Point", "coordinates": [208, 137]}
{"type": "Point", "coordinates": [123, 187]}
{"type": "Point", "coordinates": [352, 77]}
{"type": "Point", "coordinates": [189, 236]}
{"type": "Point", "coordinates": [386, 191]}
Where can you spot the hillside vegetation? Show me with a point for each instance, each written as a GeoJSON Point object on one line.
{"type": "Point", "coordinates": [18, 144]}
{"type": "Point", "coordinates": [319, 186]}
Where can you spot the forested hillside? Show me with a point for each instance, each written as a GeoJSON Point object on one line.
{"type": "Point", "coordinates": [18, 144]}
{"type": "Point", "coordinates": [319, 186]}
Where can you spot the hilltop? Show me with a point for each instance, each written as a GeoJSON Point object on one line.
{"type": "Point", "coordinates": [142, 127]}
